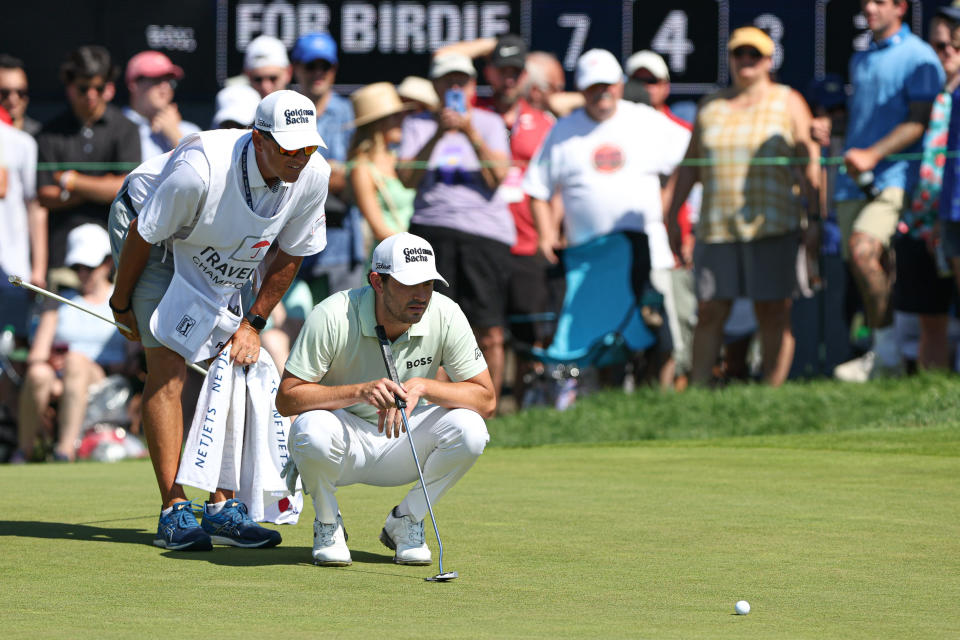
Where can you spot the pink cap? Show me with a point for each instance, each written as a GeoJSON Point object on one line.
{"type": "Point", "coordinates": [151, 64]}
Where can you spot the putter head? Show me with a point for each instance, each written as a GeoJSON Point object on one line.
{"type": "Point", "coordinates": [444, 577]}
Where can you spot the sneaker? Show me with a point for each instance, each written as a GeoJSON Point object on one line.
{"type": "Point", "coordinates": [330, 544]}
{"type": "Point", "coordinates": [866, 367]}
{"type": "Point", "coordinates": [232, 526]}
{"type": "Point", "coordinates": [179, 530]}
{"type": "Point", "coordinates": [404, 535]}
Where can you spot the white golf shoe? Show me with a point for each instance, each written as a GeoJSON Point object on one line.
{"type": "Point", "coordinates": [330, 544]}
{"type": "Point", "coordinates": [405, 536]}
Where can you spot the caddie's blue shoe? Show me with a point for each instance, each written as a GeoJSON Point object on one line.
{"type": "Point", "coordinates": [234, 527]}
{"type": "Point", "coordinates": [180, 531]}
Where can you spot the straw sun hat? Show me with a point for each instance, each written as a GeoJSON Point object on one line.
{"type": "Point", "coordinates": [375, 101]}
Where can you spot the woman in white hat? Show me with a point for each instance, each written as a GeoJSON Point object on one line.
{"type": "Point", "coordinates": [93, 348]}
{"type": "Point", "coordinates": [385, 203]}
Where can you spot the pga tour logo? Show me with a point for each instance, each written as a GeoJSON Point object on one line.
{"type": "Point", "coordinates": [251, 249]}
{"type": "Point", "coordinates": [185, 325]}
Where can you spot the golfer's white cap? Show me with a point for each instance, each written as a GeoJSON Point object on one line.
{"type": "Point", "coordinates": [597, 66]}
{"type": "Point", "coordinates": [406, 258]}
{"type": "Point", "coordinates": [291, 118]}
{"type": "Point", "coordinates": [87, 245]}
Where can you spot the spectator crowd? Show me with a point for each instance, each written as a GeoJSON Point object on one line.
{"type": "Point", "coordinates": [734, 208]}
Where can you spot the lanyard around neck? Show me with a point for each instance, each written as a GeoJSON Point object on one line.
{"type": "Point", "coordinates": [246, 183]}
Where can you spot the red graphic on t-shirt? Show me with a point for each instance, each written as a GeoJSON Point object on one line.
{"type": "Point", "coordinates": [608, 158]}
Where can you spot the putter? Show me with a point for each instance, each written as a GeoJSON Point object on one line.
{"type": "Point", "coordinates": [387, 354]}
{"type": "Point", "coordinates": [18, 282]}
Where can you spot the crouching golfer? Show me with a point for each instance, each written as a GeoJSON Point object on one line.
{"type": "Point", "coordinates": [189, 229]}
{"type": "Point", "coordinates": [349, 429]}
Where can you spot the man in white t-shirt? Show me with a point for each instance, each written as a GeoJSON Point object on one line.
{"type": "Point", "coordinates": [349, 429]}
{"type": "Point", "coordinates": [189, 229]}
{"type": "Point", "coordinates": [606, 159]}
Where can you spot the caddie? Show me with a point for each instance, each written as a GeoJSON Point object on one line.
{"type": "Point", "coordinates": [349, 429]}
{"type": "Point", "coordinates": [189, 230]}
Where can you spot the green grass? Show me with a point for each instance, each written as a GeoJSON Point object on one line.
{"type": "Point", "coordinates": [821, 406]}
{"type": "Point", "coordinates": [850, 530]}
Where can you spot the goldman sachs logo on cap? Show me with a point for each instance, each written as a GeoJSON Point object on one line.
{"type": "Point", "coordinates": [298, 116]}
{"type": "Point", "coordinates": [417, 254]}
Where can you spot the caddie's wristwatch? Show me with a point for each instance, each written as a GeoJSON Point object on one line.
{"type": "Point", "coordinates": [257, 322]}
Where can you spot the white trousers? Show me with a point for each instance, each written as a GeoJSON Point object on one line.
{"type": "Point", "coordinates": [335, 448]}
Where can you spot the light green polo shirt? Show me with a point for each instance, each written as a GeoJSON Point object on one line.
{"type": "Point", "coordinates": [338, 345]}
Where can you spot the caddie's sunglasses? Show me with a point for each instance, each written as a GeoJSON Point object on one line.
{"type": "Point", "coordinates": [307, 151]}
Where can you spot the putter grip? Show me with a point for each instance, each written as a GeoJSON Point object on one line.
{"type": "Point", "coordinates": [387, 354]}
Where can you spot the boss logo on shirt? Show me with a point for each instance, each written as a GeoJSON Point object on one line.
{"type": "Point", "coordinates": [607, 158]}
{"type": "Point", "coordinates": [185, 325]}
{"type": "Point", "coordinates": [419, 362]}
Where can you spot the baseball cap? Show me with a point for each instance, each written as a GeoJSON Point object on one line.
{"type": "Point", "coordinates": [950, 12]}
{"type": "Point", "coordinates": [511, 51]}
{"type": "Point", "coordinates": [291, 118]}
{"type": "Point", "coordinates": [751, 37]}
{"type": "Point", "coordinates": [314, 46]}
{"type": "Point", "coordinates": [87, 245]}
{"type": "Point", "coordinates": [451, 63]}
{"type": "Point", "coordinates": [151, 64]}
{"type": "Point", "coordinates": [265, 51]}
{"type": "Point", "coordinates": [406, 258]}
{"type": "Point", "coordinates": [236, 103]}
{"type": "Point", "coordinates": [597, 66]}
{"type": "Point", "coordinates": [650, 61]}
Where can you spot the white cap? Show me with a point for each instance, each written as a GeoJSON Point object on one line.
{"type": "Point", "coordinates": [406, 258]}
{"type": "Point", "coordinates": [265, 51]}
{"type": "Point", "coordinates": [451, 63]}
{"type": "Point", "coordinates": [597, 66]}
{"type": "Point", "coordinates": [291, 118]}
{"type": "Point", "coordinates": [88, 245]}
{"type": "Point", "coordinates": [650, 61]}
{"type": "Point", "coordinates": [237, 102]}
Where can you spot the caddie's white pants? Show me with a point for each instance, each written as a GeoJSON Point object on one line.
{"type": "Point", "coordinates": [335, 448]}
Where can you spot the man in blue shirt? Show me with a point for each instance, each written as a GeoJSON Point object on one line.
{"type": "Point", "coordinates": [340, 265]}
{"type": "Point", "coordinates": [895, 82]}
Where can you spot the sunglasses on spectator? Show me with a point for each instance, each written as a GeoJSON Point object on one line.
{"type": "Point", "coordinates": [318, 65]}
{"type": "Point", "coordinates": [307, 151]}
{"type": "Point", "coordinates": [83, 87]}
{"type": "Point", "coordinates": [748, 52]}
{"type": "Point", "coordinates": [940, 47]}
{"type": "Point", "coordinates": [648, 79]}
{"type": "Point", "coordinates": [5, 93]}
{"type": "Point", "coordinates": [259, 79]}
{"type": "Point", "coordinates": [158, 80]}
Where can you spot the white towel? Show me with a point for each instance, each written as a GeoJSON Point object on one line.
{"type": "Point", "coordinates": [238, 440]}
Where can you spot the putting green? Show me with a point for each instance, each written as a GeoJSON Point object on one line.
{"type": "Point", "coordinates": [824, 538]}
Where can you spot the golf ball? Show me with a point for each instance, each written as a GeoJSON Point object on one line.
{"type": "Point", "coordinates": [742, 607]}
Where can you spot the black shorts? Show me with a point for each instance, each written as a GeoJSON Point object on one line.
{"type": "Point", "coordinates": [918, 288]}
{"type": "Point", "coordinates": [478, 270]}
{"type": "Point", "coordinates": [536, 288]}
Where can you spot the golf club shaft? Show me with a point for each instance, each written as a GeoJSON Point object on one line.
{"type": "Point", "coordinates": [18, 282]}
{"type": "Point", "coordinates": [387, 354]}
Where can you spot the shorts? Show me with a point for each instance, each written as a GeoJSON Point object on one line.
{"type": "Point", "coordinates": [156, 275]}
{"type": "Point", "coordinates": [877, 218]}
{"type": "Point", "coordinates": [531, 292]}
{"type": "Point", "coordinates": [918, 287]}
{"type": "Point", "coordinates": [760, 270]}
{"type": "Point", "coordinates": [478, 270]}
{"type": "Point", "coordinates": [16, 309]}
{"type": "Point", "coordinates": [950, 238]}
